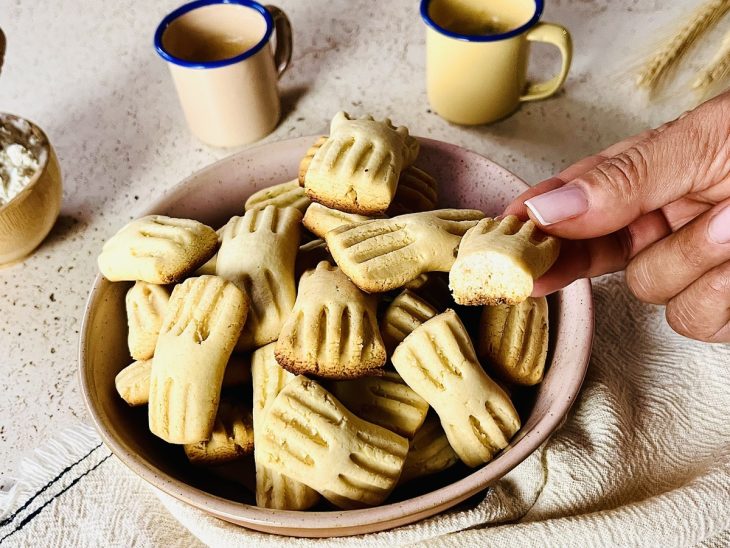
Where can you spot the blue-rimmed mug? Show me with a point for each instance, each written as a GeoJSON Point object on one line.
{"type": "Point", "coordinates": [225, 68]}
{"type": "Point", "coordinates": [477, 53]}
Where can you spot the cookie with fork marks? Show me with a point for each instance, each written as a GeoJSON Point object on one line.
{"type": "Point", "coordinates": [332, 331]}
{"type": "Point", "coordinates": [231, 439]}
{"type": "Point", "coordinates": [438, 360]}
{"type": "Point", "coordinates": [258, 253]}
{"type": "Point", "coordinates": [288, 194]}
{"type": "Point", "coordinates": [403, 315]}
{"type": "Point", "coordinates": [320, 219]}
{"type": "Point", "coordinates": [145, 304]}
{"type": "Point", "coordinates": [385, 254]}
{"type": "Point", "coordinates": [311, 437]}
{"type": "Point", "coordinates": [157, 249]}
{"type": "Point", "coordinates": [499, 260]}
{"type": "Point", "coordinates": [201, 326]}
{"type": "Point", "coordinates": [273, 490]}
{"type": "Point", "coordinates": [429, 452]}
{"type": "Point", "coordinates": [417, 191]}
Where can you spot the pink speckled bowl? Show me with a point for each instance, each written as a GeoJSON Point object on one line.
{"type": "Point", "coordinates": [216, 193]}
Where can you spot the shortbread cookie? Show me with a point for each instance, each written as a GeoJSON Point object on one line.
{"type": "Point", "coordinates": [310, 255]}
{"type": "Point", "coordinates": [514, 340]}
{"type": "Point", "coordinates": [385, 400]}
{"type": "Point", "coordinates": [432, 287]}
{"type": "Point", "coordinates": [438, 361]}
{"type": "Point", "coordinates": [320, 219]}
{"type": "Point", "coordinates": [304, 163]}
{"type": "Point", "coordinates": [208, 268]}
{"type": "Point", "coordinates": [499, 260]}
{"type": "Point", "coordinates": [403, 315]}
{"type": "Point", "coordinates": [146, 304]}
{"type": "Point", "coordinates": [358, 166]}
{"type": "Point", "coordinates": [332, 331]}
{"type": "Point", "coordinates": [231, 439]}
{"type": "Point", "coordinates": [311, 437]}
{"type": "Point", "coordinates": [417, 191]}
{"type": "Point", "coordinates": [200, 329]}
{"type": "Point", "coordinates": [273, 490]}
{"type": "Point", "coordinates": [429, 453]}
{"type": "Point", "coordinates": [133, 382]}
{"type": "Point", "coordinates": [385, 254]}
{"type": "Point", "coordinates": [288, 194]}
{"type": "Point", "coordinates": [157, 249]}
{"type": "Point", "coordinates": [258, 255]}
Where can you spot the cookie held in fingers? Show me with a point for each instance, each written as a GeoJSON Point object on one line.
{"type": "Point", "coordinates": [201, 326]}
{"type": "Point", "coordinates": [273, 490]}
{"type": "Point", "coordinates": [358, 166]}
{"type": "Point", "coordinates": [514, 340]}
{"type": "Point", "coordinates": [231, 439]}
{"type": "Point", "coordinates": [429, 452]}
{"type": "Point", "coordinates": [320, 219]}
{"type": "Point", "coordinates": [499, 260]}
{"type": "Point", "coordinates": [403, 315]}
{"type": "Point", "coordinates": [288, 194]}
{"type": "Point", "coordinates": [417, 191]}
{"type": "Point", "coordinates": [311, 437]}
{"type": "Point", "coordinates": [145, 304]}
{"type": "Point", "coordinates": [157, 249]}
{"type": "Point", "coordinates": [258, 253]}
{"type": "Point", "coordinates": [332, 331]}
{"type": "Point", "coordinates": [307, 159]}
{"type": "Point", "coordinates": [384, 400]}
{"type": "Point", "coordinates": [437, 360]}
{"type": "Point", "coordinates": [385, 254]}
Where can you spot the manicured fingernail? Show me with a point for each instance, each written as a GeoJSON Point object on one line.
{"type": "Point", "coordinates": [719, 229]}
{"type": "Point", "coordinates": [558, 205]}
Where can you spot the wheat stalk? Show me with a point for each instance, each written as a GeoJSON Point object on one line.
{"type": "Point", "coordinates": [717, 70]}
{"type": "Point", "coordinates": [664, 60]}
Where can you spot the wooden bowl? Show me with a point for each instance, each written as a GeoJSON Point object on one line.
{"type": "Point", "coordinates": [26, 219]}
{"type": "Point", "coordinates": [213, 195]}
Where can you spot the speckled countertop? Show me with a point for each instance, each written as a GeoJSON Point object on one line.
{"type": "Point", "coordinates": [86, 72]}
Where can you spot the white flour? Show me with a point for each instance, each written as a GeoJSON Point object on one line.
{"type": "Point", "coordinates": [21, 154]}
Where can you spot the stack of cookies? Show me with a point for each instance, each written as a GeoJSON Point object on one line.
{"type": "Point", "coordinates": [340, 297]}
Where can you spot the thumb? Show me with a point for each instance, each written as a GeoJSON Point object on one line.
{"type": "Point", "coordinates": [689, 155]}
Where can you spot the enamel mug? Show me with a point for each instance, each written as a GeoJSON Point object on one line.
{"type": "Point", "coordinates": [477, 53]}
{"type": "Point", "coordinates": [225, 68]}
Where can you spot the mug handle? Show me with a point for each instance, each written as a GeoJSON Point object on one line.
{"type": "Point", "coordinates": [283, 35]}
{"type": "Point", "coordinates": [559, 37]}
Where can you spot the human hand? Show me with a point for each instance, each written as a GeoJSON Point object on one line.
{"type": "Point", "coordinates": [656, 204]}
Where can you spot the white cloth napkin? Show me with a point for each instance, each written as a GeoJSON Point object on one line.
{"type": "Point", "coordinates": [643, 460]}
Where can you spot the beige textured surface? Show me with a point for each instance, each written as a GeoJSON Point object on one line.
{"type": "Point", "coordinates": [146, 305]}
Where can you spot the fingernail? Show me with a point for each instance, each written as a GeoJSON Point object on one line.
{"type": "Point", "coordinates": [719, 229]}
{"type": "Point", "coordinates": [558, 205]}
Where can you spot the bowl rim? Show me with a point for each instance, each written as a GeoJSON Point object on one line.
{"type": "Point", "coordinates": [313, 521]}
{"type": "Point", "coordinates": [46, 143]}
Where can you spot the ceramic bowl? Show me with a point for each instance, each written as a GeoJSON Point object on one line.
{"type": "Point", "coordinates": [27, 218]}
{"type": "Point", "coordinates": [213, 195]}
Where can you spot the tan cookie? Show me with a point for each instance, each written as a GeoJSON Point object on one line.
{"type": "Point", "coordinates": [417, 191]}
{"type": "Point", "coordinates": [288, 194]}
{"type": "Point", "coordinates": [146, 304]}
{"type": "Point", "coordinates": [311, 437]}
{"type": "Point", "coordinates": [208, 269]}
{"type": "Point", "coordinates": [498, 261]}
{"type": "Point", "coordinates": [157, 249]}
{"type": "Point", "coordinates": [385, 254]}
{"type": "Point", "coordinates": [273, 490]}
{"type": "Point", "coordinates": [310, 255]}
{"type": "Point", "coordinates": [304, 164]}
{"type": "Point", "coordinates": [403, 315]}
{"type": "Point", "coordinates": [385, 400]}
{"type": "Point", "coordinates": [332, 331]}
{"type": "Point", "coordinates": [320, 219]}
{"type": "Point", "coordinates": [258, 255]}
{"type": "Point", "coordinates": [200, 329]}
{"type": "Point", "coordinates": [133, 382]}
{"type": "Point", "coordinates": [429, 453]}
{"type": "Point", "coordinates": [358, 166]}
{"type": "Point", "coordinates": [432, 287]}
{"type": "Point", "coordinates": [438, 361]}
{"type": "Point", "coordinates": [514, 340]}
{"type": "Point", "coordinates": [231, 439]}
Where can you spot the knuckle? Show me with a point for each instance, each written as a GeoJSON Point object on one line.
{"type": "Point", "coordinates": [641, 282]}
{"type": "Point", "coordinates": [718, 281]}
{"type": "Point", "coordinates": [691, 253]}
{"type": "Point", "coordinates": [622, 175]}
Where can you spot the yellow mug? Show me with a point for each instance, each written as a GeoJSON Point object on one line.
{"type": "Point", "coordinates": [476, 57]}
{"type": "Point", "coordinates": [224, 67]}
